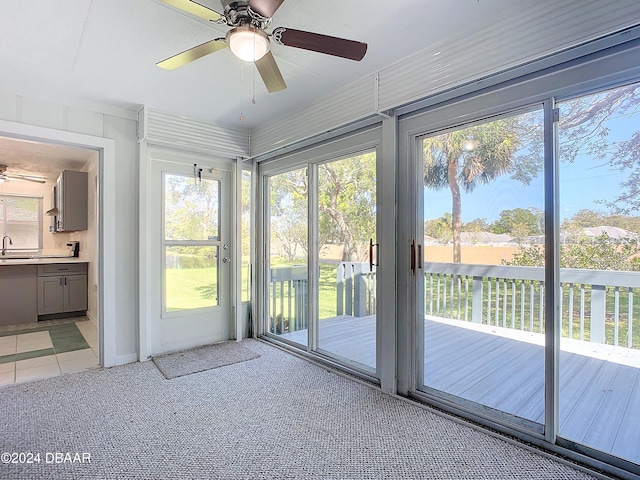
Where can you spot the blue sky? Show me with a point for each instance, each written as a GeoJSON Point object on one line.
{"type": "Point", "coordinates": [582, 183]}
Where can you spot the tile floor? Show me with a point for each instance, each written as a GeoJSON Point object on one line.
{"type": "Point", "coordinates": [47, 350]}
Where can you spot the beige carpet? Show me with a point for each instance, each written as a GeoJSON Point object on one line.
{"type": "Point", "coordinates": [275, 417]}
{"type": "Point", "coordinates": [200, 359]}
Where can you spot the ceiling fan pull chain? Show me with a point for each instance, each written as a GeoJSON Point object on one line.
{"type": "Point", "coordinates": [253, 96]}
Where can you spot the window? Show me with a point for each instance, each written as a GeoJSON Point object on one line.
{"type": "Point", "coordinates": [191, 242]}
{"type": "Point", "coordinates": [246, 235]}
{"type": "Point", "coordinates": [21, 220]}
{"type": "Point", "coordinates": [483, 324]}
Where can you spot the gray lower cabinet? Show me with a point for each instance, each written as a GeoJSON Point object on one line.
{"type": "Point", "coordinates": [62, 288]}
{"type": "Point", "coordinates": [18, 292]}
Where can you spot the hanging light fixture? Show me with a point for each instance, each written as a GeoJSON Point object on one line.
{"type": "Point", "coordinates": [248, 43]}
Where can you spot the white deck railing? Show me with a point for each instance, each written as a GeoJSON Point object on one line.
{"type": "Point", "coordinates": [596, 305]}
{"type": "Point", "coordinates": [355, 289]}
{"type": "Point", "coordinates": [288, 299]}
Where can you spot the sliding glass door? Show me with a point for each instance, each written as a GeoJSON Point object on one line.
{"type": "Point", "coordinates": [288, 286]}
{"type": "Point", "coordinates": [321, 230]}
{"type": "Point", "coordinates": [525, 267]}
{"type": "Point", "coordinates": [480, 268]}
{"type": "Point", "coordinates": [346, 267]}
{"type": "Point", "coordinates": [599, 143]}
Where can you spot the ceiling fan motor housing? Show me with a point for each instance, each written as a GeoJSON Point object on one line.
{"type": "Point", "coordinates": [239, 13]}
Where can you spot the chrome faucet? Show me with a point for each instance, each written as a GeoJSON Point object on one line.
{"type": "Point", "coordinates": [4, 244]}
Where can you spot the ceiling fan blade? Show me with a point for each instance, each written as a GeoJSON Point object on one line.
{"type": "Point", "coordinates": [192, 54]}
{"type": "Point", "coordinates": [338, 47]}
{"type": "Point", "coordinates": [270, 73]}
{"type": "Point", "coordinates": [194, 9]}
{"type": "Point", "coordinates": [266, 8]}
{"type": "Point", "coordinates": [24, 178]}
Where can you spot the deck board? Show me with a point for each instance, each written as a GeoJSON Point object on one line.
{"type": "Point", "coordinates": [606, 424]}
{"type": "Point", "coordinates": [599, 400]}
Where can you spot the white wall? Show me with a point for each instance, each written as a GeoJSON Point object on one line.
{"type": "Point", "coordinates": [89, 238]}
{"type": "Point", "coordinates": [109, 122]}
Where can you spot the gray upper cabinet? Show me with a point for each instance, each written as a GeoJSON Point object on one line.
{"type": "Point", "coordinates": [71, 201]}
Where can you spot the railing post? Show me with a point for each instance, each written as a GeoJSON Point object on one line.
{"type": "Point", "coordinates": [360, 291]}
{"type": "Point", "coordinates": [598, 307]}
{"type": "Point", "coordinates": [476, 303]}
{"type": "Point", "coordinates": [340, 290]}
{"type": "Point", "coordinates": [348, 275]}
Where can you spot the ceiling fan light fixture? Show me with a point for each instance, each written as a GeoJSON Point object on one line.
{"type": "Point", "coordinates": [248, 43]}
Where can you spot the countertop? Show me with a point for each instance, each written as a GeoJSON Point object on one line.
{"type": "Point", "coordinates": [39, 260]}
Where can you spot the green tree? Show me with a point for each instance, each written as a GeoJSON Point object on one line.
{"type": "Point", "coordinates": [440, 228]}
{"type": "Point", "coordinates": [288, 211]}
{"type": "Point", "coordinates": [599, 253]}
{"type": "Point", "coordinates": [476, 225]}
{"type": "Point", "coordinates": [347, 202]}
{"type": "Point", "coordinates": [191, 209]}
{"type": "Point", "coordinates": [586, 218]}
{"type": "Point", "coordinates": [463, 159]}
{"type": "Point", "coordinates": [523, 221]}
{"type": "Point", "coordinates": [346, 205]}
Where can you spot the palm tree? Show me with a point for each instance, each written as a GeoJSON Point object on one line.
{"type": "Point", "coordinates": [466, 158]}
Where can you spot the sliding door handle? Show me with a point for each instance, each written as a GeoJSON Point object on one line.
{"type": "Point", "coordinates": [413, 257]}
{"type": "Point", "coordinates": [419, 256]}
{"type": "Point", "coordinates": [371, 245]}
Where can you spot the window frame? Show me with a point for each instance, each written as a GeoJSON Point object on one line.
{"type": "Point", "coordinates": [216, 242]}
{"type": "Point", "coordinates": [4, 223]}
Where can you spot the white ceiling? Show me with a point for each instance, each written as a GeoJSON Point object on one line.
{"type": "Point", "coordinates": [106, 51]}
{"type": "Point", "coordinates": [40, 159]}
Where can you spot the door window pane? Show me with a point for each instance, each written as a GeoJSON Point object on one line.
{"type": "Point", "coordinates": [346, 280]}
{"type": "Point", "coordinates": [191, 277]}
{"type": "Point", "coordinates": [288, 250]}
{"type": "Point", "coordinates": [192, 208]}
{"type": "Point", "coordinates": [483, 271]}
{"type": "Point", "coordinates": [599, 141]}
{"type": "Point", "coordinates": [192, 242]}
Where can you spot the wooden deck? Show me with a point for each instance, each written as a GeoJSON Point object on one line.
{"type": "Point", "coordinates": [599, 385]}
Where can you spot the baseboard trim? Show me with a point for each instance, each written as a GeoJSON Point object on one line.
{"type": "Point", "coordinates": [124, 359]}
{"type": "Point", "coordinates": [93, 319]}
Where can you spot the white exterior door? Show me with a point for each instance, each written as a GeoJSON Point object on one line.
{"type": "Point", "coordinates": [191, 256]}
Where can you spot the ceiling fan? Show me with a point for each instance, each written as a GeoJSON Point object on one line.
{"type": "Point", "coordinates": [4, 176]}
{"type": "Point", "coordinates": [249, 41]}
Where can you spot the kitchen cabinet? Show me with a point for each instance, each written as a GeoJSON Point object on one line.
{"type": "Point", "coordinates": [70, 197]}
{"type": "Point", "coordinates": [18, 293]}
{"type": "Point", "coordinates": [62, 288]}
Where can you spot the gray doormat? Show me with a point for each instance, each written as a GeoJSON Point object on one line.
{"type": "Point", "coordinates": [199, 359]}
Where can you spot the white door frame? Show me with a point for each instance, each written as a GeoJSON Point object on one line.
{"type": "Point", "coordinates": [106, 223]}
{"type": "Point", "coordinates": [150, 296]}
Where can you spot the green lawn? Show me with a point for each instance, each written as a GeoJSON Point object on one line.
{"type": "Point", "coordinates": [188, 288]}
{"type": "Point", "coordinates": [327, 300]}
